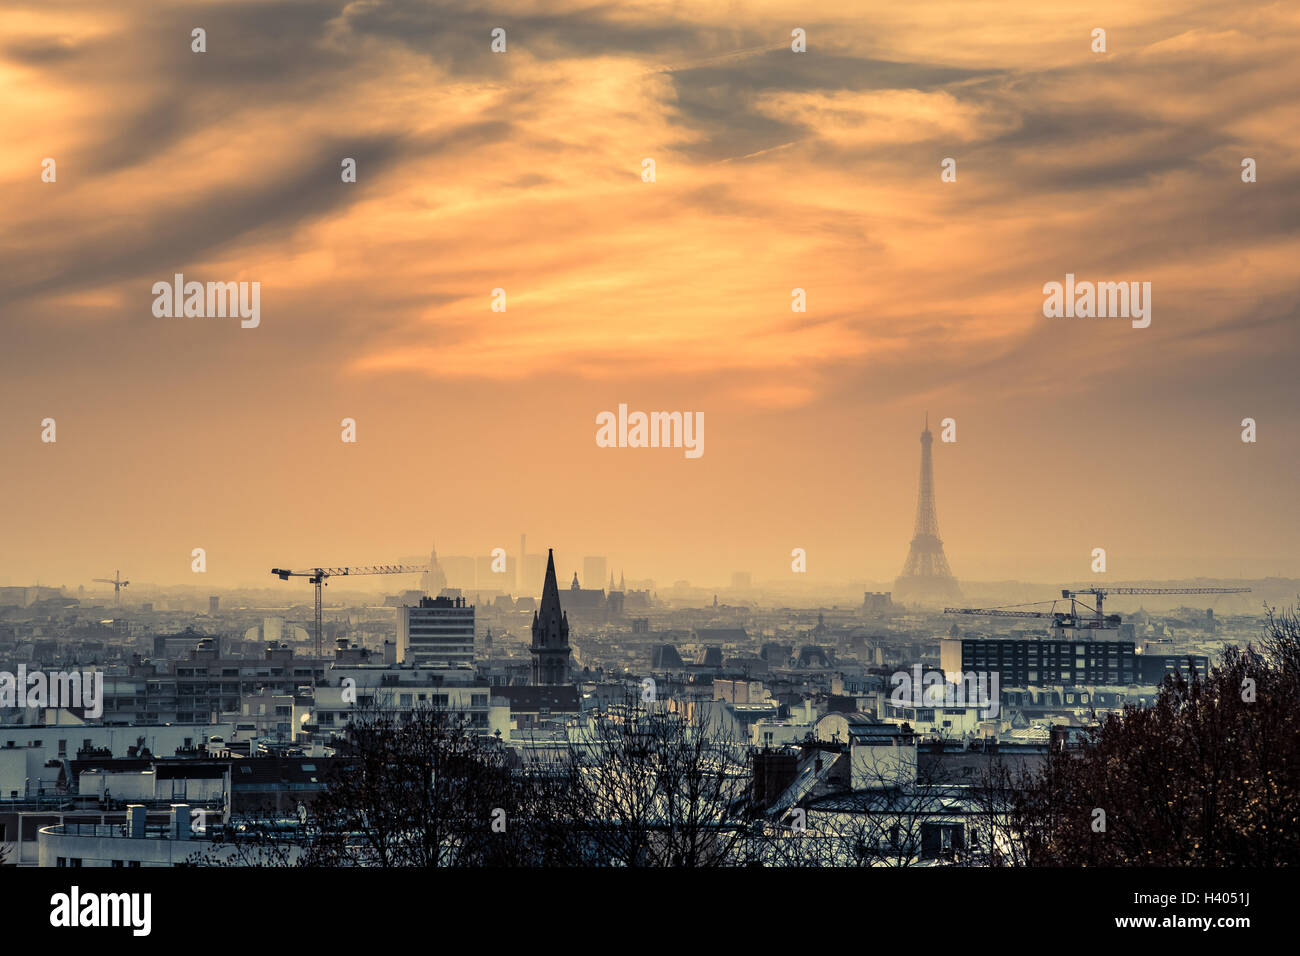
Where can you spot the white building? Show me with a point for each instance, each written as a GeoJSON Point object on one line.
{"type": "Point", "coordinates": [881, 756]}
{"type": "Point", "coordinates": [456, 690]}
{"type": "Point", "coordinates": [30, 756]}
{"type": "Point", "coordinates": [137, 842]}
{"type": "Point", "coordinates": [438, 630]}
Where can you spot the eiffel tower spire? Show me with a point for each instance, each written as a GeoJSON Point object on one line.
{"type": "Point", "coordinates": [926, 576]}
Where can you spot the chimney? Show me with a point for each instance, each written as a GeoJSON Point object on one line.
{"type": "Point", "coordinates": [180, 821]}
{"type": "Point", "coordinates": [1058, 737]}
{"type": "Point", "coordinates": [390, 653]}
{"type": "Point", "coordinates": [135, 821]}
{"type": "Point", "coordinates": [773, 772]}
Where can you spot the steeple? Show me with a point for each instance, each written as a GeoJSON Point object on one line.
{"type": "Point", "coordinates": [433, 581]}
{"type": "Point", "coordinates": [550, 606]}
{"type": "Point", "coordinates": [550, 647]}
{"type": "Point", "coordinates": [575, 586]}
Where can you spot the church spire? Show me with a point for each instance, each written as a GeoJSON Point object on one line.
{"type": "Point", "coordinates": [550, 648]}
{"type": "Point", "coordinates": [550, 607]}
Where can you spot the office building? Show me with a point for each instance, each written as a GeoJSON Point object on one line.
{"type": "Point", "coordinates": [438, 630]}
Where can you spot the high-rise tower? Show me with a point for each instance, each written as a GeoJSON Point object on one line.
{"type": "Point", "coordinates": [926, 577]}
{"type": "Point", "coordinates": [550, 648]}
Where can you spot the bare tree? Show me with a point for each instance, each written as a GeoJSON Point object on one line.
{"type": "Point", "coordinates": [1207, 776]}
{"type": "Point", "coordinates": [651, 787]}
{"type": "Point", "coordinates": [414, 787]}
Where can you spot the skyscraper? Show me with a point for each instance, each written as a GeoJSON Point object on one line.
{"type": "Point", "coordinates": [926, 577]}
{"type": "Point", "coordinates": [550, 648]}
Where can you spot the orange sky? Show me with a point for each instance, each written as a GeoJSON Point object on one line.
{"type": "Point", "coordinates": [522, 170]}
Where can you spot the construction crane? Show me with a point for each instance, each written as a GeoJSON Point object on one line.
{"type": "Point", "coordinates": [1058, 618]}
{"type": "Point", "coordinates": [1099, 597]}
{"type": "Point", "coordinates": [1001, 612]}
{"type": "Point", "coordinates": [1095, 618]}
{"type": "Point", "coordinates": [118, 584]}
{"type": "Point", "coordinates": [317, 576]}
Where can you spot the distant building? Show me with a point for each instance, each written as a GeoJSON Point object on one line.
{"type": "Point", "coordinates": [1020, 663]}
{"type": "Point", "coordinates": [593, 570]}
{"type": "Point", "coordinates": [439, 630]}
{"type": "Point", "coordinates": [589, 601]}
{"type": "Point", "coordinates": [1044, 662]}
{"type": "Point", "coordinates": [434, 580]}
{"type": "Point", "coordinates": [665, 657]}
{"type": "Point", "coordinates": [877, 602]}
{"type": "Point", "coordinates": [721, 636]}
{"type": "Point", "coordinates": [775, 653]}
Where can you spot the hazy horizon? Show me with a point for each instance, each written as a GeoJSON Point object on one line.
{"type": "Point", "coordinates": [523, 171]}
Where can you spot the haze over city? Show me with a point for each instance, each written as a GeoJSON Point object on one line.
{"type": "Point", "coordinates": [523, 172]}
{"type": "Point", "coordinates": [625, 437]}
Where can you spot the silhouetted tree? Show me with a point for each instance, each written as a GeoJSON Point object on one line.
{"type": "Point", "coordinates": [650, 787]}
{"type": "Point", "coordinates": [414, 787]}
{"type": "Point", "coordinates": [1207, 776]}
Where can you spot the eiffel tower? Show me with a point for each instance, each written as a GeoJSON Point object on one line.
{"type": "Point", "coordinates": [926, 577]}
